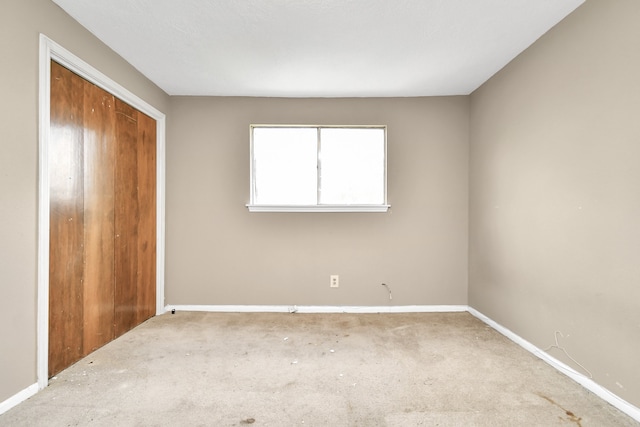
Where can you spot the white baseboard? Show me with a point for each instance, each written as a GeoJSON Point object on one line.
{"type": "Point", "coordinates": [319, 308]}
{"type": "Point", "coordinates": [588, 383]}
{"type": "Point", "coordinates": [18, 398]}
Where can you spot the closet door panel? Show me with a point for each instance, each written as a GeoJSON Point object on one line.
{"type": "Point", "coordinates": [102, 162]}
{"type": "Point", "coordinates": [127, 216]}
{"type": "Point", "coordinates": [66, 219]}
{"type": "Point", "coordinates": [99, 156]}
{"type": "Point", "coordinates": [146, 287]}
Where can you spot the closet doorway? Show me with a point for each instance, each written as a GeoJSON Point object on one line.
{"type": "Point", "coordinates": [102, 214]}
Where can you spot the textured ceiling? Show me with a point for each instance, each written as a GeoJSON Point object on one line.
{"type": "Point", "coordinates": [318, 48]}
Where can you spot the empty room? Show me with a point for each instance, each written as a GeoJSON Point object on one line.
{"type": "Point", "coordinates": [320, 212]}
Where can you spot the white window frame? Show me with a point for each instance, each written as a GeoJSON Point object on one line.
{"type": "Point", "coordinates": [384, 207]}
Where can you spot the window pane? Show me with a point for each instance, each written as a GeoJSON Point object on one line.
{"type": "Point", "coordinates": [352, 166]}
{"type": "Point", "coordinates": [285, 166]}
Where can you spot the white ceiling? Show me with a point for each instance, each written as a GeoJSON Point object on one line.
{"type": "Point", "coordinates": [318, 48]}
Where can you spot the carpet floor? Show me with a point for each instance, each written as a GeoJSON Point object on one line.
{"type": "Point", "coordinates": [235, 369]}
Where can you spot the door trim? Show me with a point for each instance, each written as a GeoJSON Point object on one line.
{"type": "Point", "coordinates": [50, 50]}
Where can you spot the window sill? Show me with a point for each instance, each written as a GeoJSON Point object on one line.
{"type": "Point", "coordinates": [318, 208]}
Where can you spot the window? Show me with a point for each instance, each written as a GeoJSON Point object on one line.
{"type": "Point", "coordinates": [318, 168]}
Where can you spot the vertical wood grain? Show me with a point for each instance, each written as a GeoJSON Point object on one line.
{"type": "Point", "coordinates": [66, 220]}
{"type": "Point", "coordinates": [103, 218]}
{"type": "Point", "coordinates": [146, 283]}
{"type": "Point", "coordinates": [99, 156]}
{"type": "Point", "coordinates": [127, 216]}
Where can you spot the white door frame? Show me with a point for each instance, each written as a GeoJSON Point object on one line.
{"type": "Point", "coordinates": [51, 50]}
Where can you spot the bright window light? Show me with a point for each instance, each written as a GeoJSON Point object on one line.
{"type": "Point", "coordinates": [351, 166]}
{"type": "Point", "coordinates": [318, 168]}
{"type": "Point", "coordinates": [284, 166]}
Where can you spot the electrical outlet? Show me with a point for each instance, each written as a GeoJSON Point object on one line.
{"type": "Point", "coordinates": [334, 281]}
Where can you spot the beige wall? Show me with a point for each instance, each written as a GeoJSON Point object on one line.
{"type": "Point", "coordinates": [219, 253]}
{"type": "Point", "coordinates": [21, 21]}
{"type": "Point", "coordinates": [555, 193]}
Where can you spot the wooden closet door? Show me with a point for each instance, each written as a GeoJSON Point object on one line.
{"type": "Point", "coordinates": [102, 219]}
{"type": "Point", "coordinates": [135, 218]}
{"type": "Point", "coordinates": [99, 188]}
{"type": "Point", "coordinates": [146, 289]}
{"type": "Point", "coordinates": [66, 219]}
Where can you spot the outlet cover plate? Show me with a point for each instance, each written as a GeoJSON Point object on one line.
{"type": "Point", "coordinates": [334, 281]}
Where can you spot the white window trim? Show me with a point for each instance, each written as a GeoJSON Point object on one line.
{"type": "Point", "coordinates": [318, 207]}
